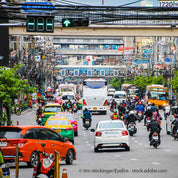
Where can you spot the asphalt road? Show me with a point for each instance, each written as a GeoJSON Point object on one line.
{"type": "Point", "coordinates": [141, 161]}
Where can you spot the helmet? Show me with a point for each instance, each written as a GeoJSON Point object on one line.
{"type": "Point", "coordinates": [131, 112]}
{"type": "Point", "coordinates": [149, 108]}
{"type": "Point", "coordinates": [149, 103]}
{"type": "Point", "coordinates": [127, 111]}
{"type": "Point", "coordinates": [115, 110]}
{"type": "Point", "coordinates": [138, 100]}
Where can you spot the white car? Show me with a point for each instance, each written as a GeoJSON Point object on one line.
{"type": "Point", "coordinates": [111, 134]}
{"type": "Point", "coordinates": [170, 119]}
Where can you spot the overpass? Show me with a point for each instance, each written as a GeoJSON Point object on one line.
{"type": "Point", "coordinates": [104, 31]}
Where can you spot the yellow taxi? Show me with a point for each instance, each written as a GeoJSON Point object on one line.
{"type": "Point", "coordinates": [50, 109]}
{"type": "Point", "coordinates": [61, 125]}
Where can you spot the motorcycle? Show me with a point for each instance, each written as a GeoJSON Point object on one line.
{"type": "Point", "coordinates": [87, 123]}
{"type": "Point", "coordinates": [155, 140]}
{"type": "Point", "coordinates": [39, 119]}
{"type": "Point", "coordinates": [176, 134]}
{"type": "Point", "coordinates": [140, 116]}
{"type": "Point", "coordinates": [132, 128]}
{"type": "Point", "coordinates": [46, 165]}
{"type": "Point", "coordinates": [75, 107]}
{"type": "Point", "coordinates": [148, 120]}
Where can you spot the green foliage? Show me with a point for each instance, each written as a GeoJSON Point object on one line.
{"type": "Point", "coordinates": [142, 82]}
{"type": "Point", "coordinates": [11, 85]}
{"type": "Point", "coordinates": [174, 81]}
{"type": "Point", "coordinates": [116, 83]}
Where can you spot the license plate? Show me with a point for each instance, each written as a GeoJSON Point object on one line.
{"type": "Point", "coordinates": [111, 134]}
{"type": "Point", "coordinates": [58, 130]}
{"type": "Point", "coordinates": [87, 122]}
{"type": "Point", "coordinates": [94, 108]}
{"type": "Point", "coordinates": [3, 144]}
{"type": "Point", "coordinates": [122, 117]}
{"type": "Point", "coordinates": [155, 137]}
{"type": "Point", "coordinates": [139, 114]}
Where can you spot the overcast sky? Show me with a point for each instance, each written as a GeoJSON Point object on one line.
{"type": "Point", "coordinates": [112, 2]}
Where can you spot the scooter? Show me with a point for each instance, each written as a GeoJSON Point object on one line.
{"type": "Point", "coordinates": [39, 119]}
{"type": "Point", "coordinates": [46, 166]}
{"type": "Point", "coordinates": [148, 120]}
{"type": "Point", "coordinates": [75, 107]}
{"type": "Point", "coordinates": [132, 128]}
{"type": "Point", "coordinates": [140, 116]}
{"type": "Point", "coordinates": [155, 140]}
{"type": "Point", "coordinates": [176, 134]}
{"type": "Point", "coordinates": [87, 123]}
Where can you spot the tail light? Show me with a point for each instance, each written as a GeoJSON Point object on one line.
{"type": "Point", "coordinates": [98, 134]}
{"type": "Point", "coordinates": [84, 102]}
{"type": "Point", "coordinates": [132, 124]}
{"type": "Point", "coordinates": [105, 103]}
{"type": "Point", "coordinates": [139, 111]}
{"type": "Point", "coordinates": [148, 118]}
{"type": "Point", "coordinates": [68, 128]}
{"type": "Point", "coordinates": [124, 133]}
{"type": "Point", "coordinates": [175, 115]}
{"type": "Point", "coordinates": [43, 116]}
{"type": "Point", "coordinates": [87, 119]}
{"type": "Point", "coordinates": [155, 134]}
{"type": "Point", "coordinates": [75, 123]}
{"type": "Point", "coordinates": [19, 142]}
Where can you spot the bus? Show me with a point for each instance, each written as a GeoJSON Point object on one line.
{"type": "Point", "coordinates": [95, 95]}
{"type": "Point", "coordinates": [157, 94]}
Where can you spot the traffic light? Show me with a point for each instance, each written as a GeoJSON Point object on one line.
{"type": "Point", "coordinates": [40, 24]}
{"type": "Point", "coordinates": [75, 22]}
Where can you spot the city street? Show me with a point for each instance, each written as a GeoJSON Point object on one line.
{"type": "Point", "coordinates": [142, 160]}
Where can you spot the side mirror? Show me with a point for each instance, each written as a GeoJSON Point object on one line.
{"type": "Point", "coordinates": [92, 130]}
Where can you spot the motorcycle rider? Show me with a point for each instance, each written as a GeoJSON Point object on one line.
{"type": "Point", "coordinates": [153, 107]}
{"type": "Point", "coordinates": [139, 108]}
{"type": "Point", "coordinates": [175, 123]}
{"type": "Point", "coordinates": [126, 116]}
{"type": "Point", "coordinates": [115, 115]}
{"type": "Point", "coordinates": [157, 116]}
{"type": "Point", "coordinates": [148, 113]}
{"type": "Point", "coordinates": [39, 110]}
{"type": "Point", "coordinates": [121, 109]}
{"type": "Point", "coordinates": [154, 127]}
{"type": "Point", "coordinates": [69, 104]}
{"type": "Point", "coordinates": [113, 103]}
{"type": "Point", "coordinates": [166, 110]}
{"type": "Point", "coordinates": [131, 118]}
{"type": "Point", "coordinates": [86, 115]}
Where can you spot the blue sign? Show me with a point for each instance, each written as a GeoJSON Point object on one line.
{"type": "Point", "coordinates": [34, 6]}
{"type": "Point", "coordinates": [76, 72]}
{"type": "Point", "coordinates": [89, 72]}
{"type": "Point", "coordinates": [115, 72]}
{"type": "Point", "coordinates": [102, 73]}
{"type": "Point", "coordinates": [63, 72]}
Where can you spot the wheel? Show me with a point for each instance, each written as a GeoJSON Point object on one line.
{"type": "Point", "coordinates": [69, 157]}
{"type": "Point", "coordinates": [127, 148]}
{"type": "Point", "coordinates": [34, 159]}
{"type": "Point", "coordinates": [96, 149]}
{"type": "Point", "coordinates": [76, 133]}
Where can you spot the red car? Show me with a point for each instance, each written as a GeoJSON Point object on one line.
{"type": "Point", "coordinates": [72, 119]}
{"type": "Point", "coordinates": [29, 140]}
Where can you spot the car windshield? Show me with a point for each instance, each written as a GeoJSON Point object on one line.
{"type": "Point", "coordinates": [133, 92]}
{"type": "Point", "coordinates": [53, 109]}
{"type": "Point", "coordinates": [157, 95]}
{"type": "Point", "coordinates": [111, 125]}
{"type": "Point", "coordinates": [70, 117]}
{"type": "Point", "coordinates": [119, 96]}
{"type": "Point", "coordinates": [66, 97]}
{"type": "Point", "coordinates": [10, 133]}
{"type": "Point", "coordinates": [57, 122]}
{"type": "Point", "coordinates": [95, 84]}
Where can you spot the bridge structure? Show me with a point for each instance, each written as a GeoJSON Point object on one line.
{"type": "Point", "coordinates": [93, 71]}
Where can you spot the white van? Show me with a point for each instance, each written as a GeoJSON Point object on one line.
{"type": "Point", "coordinates": [119, 96]}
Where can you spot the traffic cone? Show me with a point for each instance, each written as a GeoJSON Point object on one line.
{"type": "Point", "coordinates": [64, 173]}
{"type": "Point", "coordinates": [34, 171]}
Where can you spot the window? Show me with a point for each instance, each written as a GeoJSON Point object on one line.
{"type": "Point", "coordinates": [53, 135]}
{"type": "Point", "coordinates": [10, 133]}
{"type": "Point", "coordinates": [53, 109]}
{"type": "Point", "coordinates": [29, 134]}
{"type": "Point", "coordinates": [111, 125]}
{"type": "Point", "coordinates": [95, 85]}
{"type": "Point", "coordinates": [42, 135]}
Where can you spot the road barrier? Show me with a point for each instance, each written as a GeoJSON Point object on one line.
{"type": "Point", "coordinates": [64, 173]}
{"type": "Point", "coordinates": [17, 162]}
{"type": "Point", "coordinates": [56, 165]}
{"type": "Point", "coordinates": [34, 171]}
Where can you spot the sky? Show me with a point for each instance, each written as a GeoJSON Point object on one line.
{"type": "Point", "coordinates": [112, 2]}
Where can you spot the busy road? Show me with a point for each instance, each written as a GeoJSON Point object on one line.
{"type": "Point", "coordinates": [141, 160]}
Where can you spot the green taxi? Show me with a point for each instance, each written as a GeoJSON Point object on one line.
{"type": "Point", "coordinates": [49, 110]}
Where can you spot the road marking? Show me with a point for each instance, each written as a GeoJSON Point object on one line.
{"type": "Point", "coordinates": [136, 141]}
{"type": "Point", "coordinates": [133, 159]}
{"type": "Point", "coordinates": [117, 155]}
{"type": "Point", "coordinates": [155, 163]}
{"type": "Point", "coordinates": [168, 150]}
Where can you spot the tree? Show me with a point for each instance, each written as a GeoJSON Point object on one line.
{"type": "Point", "coordinates": [116, 83]}
{"type": "Point", "coordinates": [10, 86]}
{"type": "Point", "coordinates": [174, 81]}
